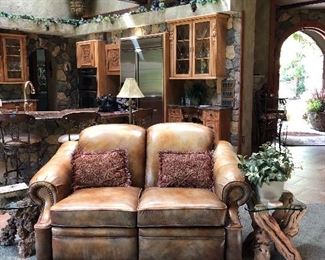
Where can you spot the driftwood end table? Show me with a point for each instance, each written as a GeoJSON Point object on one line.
{"type": "Point", "coordinates": [23, 216]}
{"type": "Point", "coordinates": [276, 226]}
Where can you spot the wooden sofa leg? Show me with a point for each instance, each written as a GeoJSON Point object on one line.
{"type": "Point", "coordinates": [43, 243]}
{"type": "Point", "coordinates": [234, 243]}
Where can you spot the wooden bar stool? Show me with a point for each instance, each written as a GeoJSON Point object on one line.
{"type": "Point", "coordinates": [74, 122]}
{"type": "Point", "coordinates": [17, 143]}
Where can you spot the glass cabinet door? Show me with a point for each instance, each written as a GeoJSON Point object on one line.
{"type": "Point", "coordinates": [182, 47]}
{"type": "Point", "coordinates": [202, 55]}
{"type": "Point", "coordinates": [13, 55]}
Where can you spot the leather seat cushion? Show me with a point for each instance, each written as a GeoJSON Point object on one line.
{"type": "Point", "coordinates": [180, 207]}
{"type": "Point", "coordinates": [98, 207]}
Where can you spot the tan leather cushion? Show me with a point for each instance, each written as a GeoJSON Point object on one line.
{"type": "Point", "coordinates": [176, 137]}
{"type": "Point", "coordinates": [132, 138]}
{"type": "Point", "coordinates": [98, 207]}
{"type": "Point", "coordinates": [180, 207]}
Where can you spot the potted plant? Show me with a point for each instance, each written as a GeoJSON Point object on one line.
{"type": "Point", "coordinates": [267, 170]}
{"type": "Point", "coordinates": [316, 110]}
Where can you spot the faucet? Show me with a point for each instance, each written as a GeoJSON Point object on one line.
{"type": "Point", "coordinates": [32, 91]}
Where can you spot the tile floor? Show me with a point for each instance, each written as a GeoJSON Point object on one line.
{"type": "Point", "coordinates": [308, 183]}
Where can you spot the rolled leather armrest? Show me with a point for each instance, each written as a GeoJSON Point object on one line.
{"type": "Point", "coordinates": [230, 183]}
{"type": "Point", "coordinates": [52, 182]}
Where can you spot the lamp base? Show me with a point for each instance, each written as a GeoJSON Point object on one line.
{"type": "Point", "coordinates": [130, 111]}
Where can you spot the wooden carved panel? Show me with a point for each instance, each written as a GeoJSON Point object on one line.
{"type": "Point", "coordinates": [86, 54]}
{"type": "Point", "coordinates": [112, 59]}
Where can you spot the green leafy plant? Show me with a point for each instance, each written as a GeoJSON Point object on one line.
{"type": "Point", "coordinates": [270, 163]}
{"type": "Point", "coordinates": [317, 102]}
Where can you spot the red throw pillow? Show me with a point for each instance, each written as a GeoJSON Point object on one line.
{"type": "Point", "coordinates": [106, 169]}
{"type": "Point", "coordinates": [190, 170]}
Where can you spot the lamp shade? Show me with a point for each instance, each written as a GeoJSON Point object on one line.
{"type": "Point", "coordinates": [130, 89]}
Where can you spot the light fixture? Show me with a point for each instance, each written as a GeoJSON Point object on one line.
{"type": "Point", "coordinates": [130, 89]}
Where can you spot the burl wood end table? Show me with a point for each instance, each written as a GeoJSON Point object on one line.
{"type": "Point", "coordinates": [275, 225]}
{"type": "Point", "coordinates": [23, 216]}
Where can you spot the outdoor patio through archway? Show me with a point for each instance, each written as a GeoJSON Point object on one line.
{"type": "Point", "coordinates": [301, 75]}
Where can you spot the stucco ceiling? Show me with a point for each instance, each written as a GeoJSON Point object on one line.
{"type": "Point", "coordinates": [311, 4]}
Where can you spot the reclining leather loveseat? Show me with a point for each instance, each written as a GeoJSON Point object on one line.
{"type": "Point", "coordinates": [145, 220]}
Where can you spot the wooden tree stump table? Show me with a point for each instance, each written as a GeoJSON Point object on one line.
{"type": "Point", "coordinates": [23, 215]}
{"type": "Point", "coordinates": [275, 225]}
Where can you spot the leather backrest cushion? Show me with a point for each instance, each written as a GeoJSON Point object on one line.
{"type": "Point", "coordinates": [185, 170]}
{"type": "Point", "coordinates": [106, 169]}
{"type": "Point", "coordinates": [105, 137]}
{"type": "Point", "coordinates": [175, 137]}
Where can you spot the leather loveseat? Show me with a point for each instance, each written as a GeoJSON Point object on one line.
{"type": "Point", "coordinates": [142, 221]}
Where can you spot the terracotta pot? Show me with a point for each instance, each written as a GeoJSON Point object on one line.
{"type": "Point", "coordinates": [270, 193]}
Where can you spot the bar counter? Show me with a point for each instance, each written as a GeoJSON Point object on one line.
{"type": "Point", "coordinates": [49, 126]}
{"type": "Point", "coordinates": [55, 115]}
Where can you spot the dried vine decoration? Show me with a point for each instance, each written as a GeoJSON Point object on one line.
{"type": "Point", "coordinates": [193, 3]}
{"type": "Point", "coordinates": [159, 6]}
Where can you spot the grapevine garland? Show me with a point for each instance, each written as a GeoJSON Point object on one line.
{"type": "Point", "coordinates": [97, 19]}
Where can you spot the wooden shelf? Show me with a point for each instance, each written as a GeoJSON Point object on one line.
{"type": "Point", "coordinates": [202, 39]}
{"type": "Point", "coordinates": [182, 59]}
{"type": "Point", "coordinates": [185, 40]}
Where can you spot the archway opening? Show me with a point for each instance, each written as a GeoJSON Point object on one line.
{"type": "Point", "coordinates": [301, 76]}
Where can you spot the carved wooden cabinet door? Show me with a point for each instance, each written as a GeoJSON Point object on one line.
{"type": "Point", "coordinates": [181, 50]}
{"type": "Point", "coordinates": [86, 54]}
{"type": "Point", "coordinates": [13, 66]}
{"type": "Point", "coordinates": [112, 59]}
{"type": "Point", "coordinates": [198, 47]}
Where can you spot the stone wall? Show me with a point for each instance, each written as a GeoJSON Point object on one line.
{"type": "Point", "coordinates": [233, 66]}
{"type": "Point", "coordinates": [63, 91]}
{"type": "Point", "coordinates": [288, 19]}
{"type": "Point", "coordinates": [62, 83]}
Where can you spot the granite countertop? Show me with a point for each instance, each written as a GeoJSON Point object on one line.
{"type": "Point", "coordinates": [18, 100]}
{"type": "Point", "coordinates": [49, 115]}
{"type": "Point", "coordinates": [201, 107]}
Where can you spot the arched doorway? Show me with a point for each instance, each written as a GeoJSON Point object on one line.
{"type": "Point", "coordinates": [299, 72]}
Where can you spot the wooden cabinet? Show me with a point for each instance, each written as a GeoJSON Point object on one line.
{"type": "Point", "coordinates": [86, 54]}
{"type": "Point", "coordinates": [218, 120]}
{"type": "Point", "coordinates": [13, 59]}
{"type": "Point", "coordinates": [91, 54]}
{"type": "Point", "coordinates": [112, 59]}
{"type": "Point", "coordinates": [198, 47]}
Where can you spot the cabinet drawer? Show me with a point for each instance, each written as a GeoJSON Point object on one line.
{"type": "Point", "coordinates": [175, 112]}
{"type": "Point", "coordinates": [175, 115]}
{"type": "Point", "coordinates": [210, 115]}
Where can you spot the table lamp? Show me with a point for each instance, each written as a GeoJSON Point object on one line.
{"type": "Point", "coordinates": [130, 89]}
